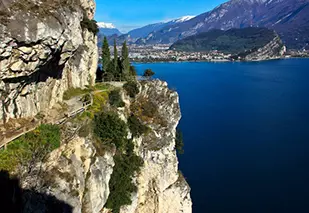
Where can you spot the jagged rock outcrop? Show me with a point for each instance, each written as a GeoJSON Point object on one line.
{"type": "Point", "coordinates": [274, 49]}
{"type": "Point", "coordinates": [161, 187]}
{"type": "Point", "coordinates": [43, 52]}
{"type": "Point", "coordinates": [76, 174]}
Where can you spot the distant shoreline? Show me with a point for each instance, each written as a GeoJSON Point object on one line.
{"type": "Point", "coordinates": [217, 61]}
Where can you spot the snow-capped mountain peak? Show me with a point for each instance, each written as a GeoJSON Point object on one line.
{"type": "Point", "coordinates": [106, 25]}
{"type": "Point", "coordinates": [183, 19]}
{"type": "Point", "coordinates": [178, 20]}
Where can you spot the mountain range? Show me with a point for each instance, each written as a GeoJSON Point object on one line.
{"type": "Point", "coordinates": [108, 29]}
{"type": "Point", "coordinates": [232, 41]}
{"type": "Point", "coordinates": [289, 18]}
{"type": "Point", "coordinates": [136, 34]}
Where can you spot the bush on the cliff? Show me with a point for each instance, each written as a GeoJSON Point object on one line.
{"type": "Point", "coordinates": [110, 128]}
{"type": "Point", "coordinates": [136, 127]}
{"type": "Point", "coordinates": [115, 99]}
{"type": "Point", "coordinates": [91, 25]}
{"type": "Point", "coordinates": [179, 141]}
{"type": "Point", "coordinates": [131, 88]}
{"type": "Point", "coordinates": [148, 74]}
{"type": "Point", "coordinates": [133, 71]}
{"type": "Point", "coordinates": [149, 109]}
{"type": "Point", "coordinates": [121, 184]}
{"type": "Point", "coordinates": [73, 92]}
{"type": "Point", "coordinates": [30, 148]}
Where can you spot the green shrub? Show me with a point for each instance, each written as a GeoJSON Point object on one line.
{"type": "Point", "coordinates": [91, 25]}
{"type": "Point", "coordinates": [131, 88]}
{"type": "Point", "coordinates": [121, 184]}
{"type": "Point", "coordinates": [30, 148]}
{"type": "Point", "coordinates": [102, 86]}
{"type": "Point", "coordinates": [148, 73]}
{"type": "Point", "coordinates": [115, 99]}
{"type": "Point", "coordinates": [136, 127]}
{"type": "Point", "coordinates": [99, 101]}
{"type": "Point", "coordinates": [73, 92]}
{"type": "Point", "coordinates": [110, 128]}
{"type": "Point", "coordinates": [133, 71]}
{"type": "Point", "coordinates": [179, 141]}
{"type": "Point", "coordinates": [149, 109]}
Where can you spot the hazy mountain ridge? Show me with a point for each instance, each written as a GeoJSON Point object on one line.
{"type": "Point", "coordinates": [246, 44]}
{"type": "Point", "coordinates": [136, 35]}
{"type": "Point", "coordinates": [106, 29]}
{"type": "Point", "coordinates": [288, 17]}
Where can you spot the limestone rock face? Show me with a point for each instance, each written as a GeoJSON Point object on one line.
{"type": "Point", "coordinates": [76, 174]}
{"type": "Point", "coordinates": [274, 49]}
{"type": "Point", "coordinates": [161, 187]}
{"type": "Point", "coordinates": [43, 52]}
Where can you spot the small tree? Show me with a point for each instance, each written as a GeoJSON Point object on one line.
{"type": "Point", "coordinates": [110, 128]}
{"type": "Point", "coordinates": [136, 127]}
{"type": "Point", "coordinates": [115, 61]}
{"type": "Point", "coordinates": [133, 72]}
{"type": "Point", "coordinates": [106, 55]}
{"type": "Point", "coordinates": [115, 99]}
{"type": "Point", "coordinates": [131, 88]}
{"type": "Point", "coordinates": [179, 141]}
{"type": "Point", "coordinates": [125, 60]}
{"type": "Point", "coordinates": [148, 74]}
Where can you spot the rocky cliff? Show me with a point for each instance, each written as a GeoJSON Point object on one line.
{"type": "Point", "coordinates": [272, 50]}
{"type": "Point", "coordinates": [47, 47]}
{"type": "Point", "coordinates": [161, 188]}
{"type": "Point", "coordinates": [79, 172]}
{"type": "Point", "coordinates": [43, 51]}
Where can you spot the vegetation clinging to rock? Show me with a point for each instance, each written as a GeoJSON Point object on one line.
{"type": "Point", "coordinates": [148, 73]}
{"type": "Point", "coordinates": [136, 126]}
{"type": "Point", "coordinates": [110, 128]}
{"type": "Point", "coordinates": [131, 88]}
{"type": "Point", "coordinates": [91, 25]}
{"type": "Point", "coordinates": [115, 99]}
{"type": "Point", "coordinates": [30, 148]}
{"type": "Point", "coordinates": [121, 183]}
{"type": "Point", "coordinates": [179, 141]}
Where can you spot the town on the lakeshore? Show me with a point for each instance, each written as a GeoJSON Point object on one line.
{"type": "Point", "coordinates": [163, 53]}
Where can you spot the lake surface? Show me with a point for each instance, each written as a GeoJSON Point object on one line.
{"type": "Point", "coordinates": [246, 134]}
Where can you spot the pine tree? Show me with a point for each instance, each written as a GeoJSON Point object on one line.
{"type": "Point", "coordinates": [106, 56]}
{"type": "Point", "coordinates": [125, 60]}
{"type": "Point", "coordinates": [116, 70]}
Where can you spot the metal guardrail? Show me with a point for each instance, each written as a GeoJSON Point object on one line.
{"type": "Point", "coordinates": [86, 104]}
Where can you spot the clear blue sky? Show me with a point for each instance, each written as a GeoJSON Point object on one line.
{"type": "Point", "coordinates": [130, 14]}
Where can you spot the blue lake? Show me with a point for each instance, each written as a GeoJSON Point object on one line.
{"type": "Point", "coordinates": [246, 134]}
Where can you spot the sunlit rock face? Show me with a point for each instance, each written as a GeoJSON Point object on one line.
{"type": "Point", "coordinates": [79, 172]}
{"type": "Point", "coordinates": [272, 50]}
{"type": "Point", "coordinates": [43, 52]}
{"type": "Point", "coordinates": [161, 187]}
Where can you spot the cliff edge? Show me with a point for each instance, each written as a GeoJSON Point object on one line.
{"type": "Point", "coordinates": [81, 172]}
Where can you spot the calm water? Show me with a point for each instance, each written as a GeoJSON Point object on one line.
{"type": "Point", "coordinates": [246, 132]}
